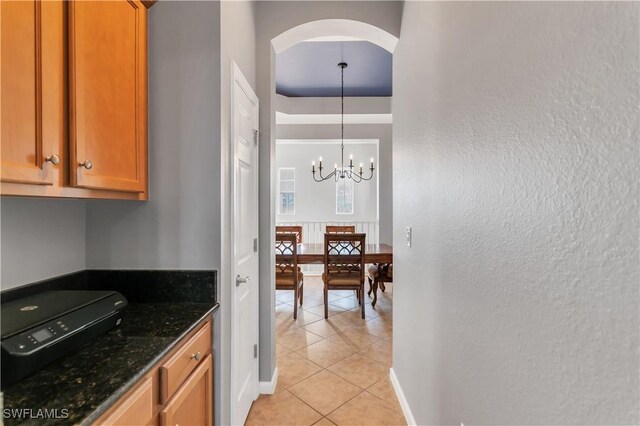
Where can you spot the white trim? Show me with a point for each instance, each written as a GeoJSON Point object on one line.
{"type": "Point", "coordinates": [334, 27]}
{"type": "Point", "coordinates": [269, 388]}
{"type": "Point", "coordinates": [335, 38]}
{"type": "Point", "coordinates": [285, 118]}
{"type": "Point", "coordinates": [406, 410]}
{"type": "Point", "coordinates": [243, 84]}
{"type": "Point", "coordinates": [327, 141]}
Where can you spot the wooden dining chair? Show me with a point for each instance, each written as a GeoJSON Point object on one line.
{"type": "Point", "coordinates": [288, 275]}
{"type": "Point", "coordinates": [344, 266]}
{"type": "Point", "coordinates": [291, 229]}
{"type": "Point", "coordinates": [340, 229]}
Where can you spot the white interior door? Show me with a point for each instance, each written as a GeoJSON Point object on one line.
{"type": "Point", "coordinates": [244, 337]}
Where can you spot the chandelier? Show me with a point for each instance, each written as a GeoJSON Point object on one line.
{"type": "Point", "coordinates": [342, 172]}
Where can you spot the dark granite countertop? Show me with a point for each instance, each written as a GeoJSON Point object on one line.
{"type": "Point", "coordinates": [87, 382]}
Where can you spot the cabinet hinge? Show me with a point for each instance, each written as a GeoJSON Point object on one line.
{"type": "Point", "coordinates": [255, 351]}
{"type": "Point", "coordinates": [255, 136]}
{"type": "Point", "coordinates": [255, 245]}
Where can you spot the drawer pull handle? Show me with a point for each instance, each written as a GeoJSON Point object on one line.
{"type": "Point", "coordinates": [196, 356]}
{"type": "Point", "coordinates": [87, 164]}
{"type": "Point", "coordinates": [53, 159]}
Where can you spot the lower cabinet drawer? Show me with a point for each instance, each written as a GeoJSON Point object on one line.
{"type": "Point", "coordinates": [135, 410]}
{"type": "Point", "coordinates": [192, 403]}
{"type": "Point", "coordinates": [176, 370]}
{"type": "Point", "coordinates": [178, 390]}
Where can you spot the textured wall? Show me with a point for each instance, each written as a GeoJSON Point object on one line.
{"type": "Point", "coordinates": [516, 163]}
{"type": "Point", "coordinates": [40, 239]}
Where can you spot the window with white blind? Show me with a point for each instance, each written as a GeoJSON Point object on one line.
{"type": "Point", "coordinates": [287, 190]}
{"type": "Point", "coordinates": [344, 196]}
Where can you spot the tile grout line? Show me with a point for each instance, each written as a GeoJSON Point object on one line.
{"type": "Point", "coordinates": [338, 375]}
{"type": "Point", "coordinates": [346, 321]}
{"type": "Point", "coordinates": [326, 369]}
{"type": "Point", "coordinates": [322, 416]}
{"type": "Point", "coordinates": [296, 397]}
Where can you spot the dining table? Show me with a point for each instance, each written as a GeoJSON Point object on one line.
{"type": "Point", "coordinates": [309, 253]}
{"type": "Point", "coordinates": [381, 255]}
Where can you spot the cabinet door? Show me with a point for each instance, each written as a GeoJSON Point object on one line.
{"type": "Point", "coordinates": [108, 94]}
{"type": "Point", "coordinates": [192, 403]}
{"type": "Point", "coordinates": [135, 410]}
{"type": "Point", "coordinates": [23, 153]}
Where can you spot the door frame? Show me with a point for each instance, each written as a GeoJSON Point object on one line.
{"type": "Point", "coordinates": [238, 78]}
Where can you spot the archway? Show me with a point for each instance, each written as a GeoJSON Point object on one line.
{"type": "Point", "coordinates": [332, 28]}
{"type": "Point", "coordinates": [323, 28]}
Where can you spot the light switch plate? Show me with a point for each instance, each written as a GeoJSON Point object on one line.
{"type": "Point", "coordinates": [409, 236]}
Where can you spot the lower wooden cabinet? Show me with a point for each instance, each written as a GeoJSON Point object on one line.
{"type": "Point", "coordinates": [190, 366]}
{"type": "Point", "coordinates": [136, 409]}
{"type": "Point", "coordinates": [191, 405]}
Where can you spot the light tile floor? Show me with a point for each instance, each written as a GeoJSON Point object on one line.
{"type": "Point", "coordinates": [333, 371]}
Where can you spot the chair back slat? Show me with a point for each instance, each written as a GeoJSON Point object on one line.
{"type": "Point", "coordinates": [290, 229]}
{"type": "Point", "coordinates": [341, 229]}
{"type": "Point", "coordinates": [286, 253]}
{"type": "Point", "coordinates": [344, 255]}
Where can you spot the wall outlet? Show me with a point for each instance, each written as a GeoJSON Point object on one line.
{"type": "Point", "coordinates": [408, 236]}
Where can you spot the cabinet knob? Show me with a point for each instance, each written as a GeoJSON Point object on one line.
{"type": "Point", "coordinates": [53, 159]}
{"type": "Point", "coordinates": [196, 356]}
{"type": "Point", "coordinates": [87, 164]}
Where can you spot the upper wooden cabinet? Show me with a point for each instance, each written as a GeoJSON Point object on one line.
{"type": "Point", "coordinates": [23, 151]}
{"type": "Point", "coordinates": [74, 98]}
{"type": "Point", "coordinates": [108, 94]}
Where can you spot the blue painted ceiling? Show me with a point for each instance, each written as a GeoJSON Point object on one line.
{"type": "Point", "coordinates": [311, 69]}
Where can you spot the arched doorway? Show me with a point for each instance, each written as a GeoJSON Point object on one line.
{"type": "Point", "coordinates": [334, 28]}
{"type": "Point", "coordinates": [323, 28]}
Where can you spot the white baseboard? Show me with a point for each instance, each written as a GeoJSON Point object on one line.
{"type": "Point", "coordinates": [406, 410]}
{"type": "Point", "coordinates": [269, 387]}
